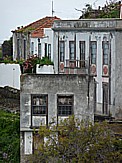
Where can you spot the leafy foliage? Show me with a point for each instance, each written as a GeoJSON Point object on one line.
{"type": "Point", "coordinates": [7, 48]}
{"type": "Point", "coordinates": [74, 141]}
{"type": "Point", "coordinates": [110, 10]}
{"type": "Point", "coordinates": [9, 137]}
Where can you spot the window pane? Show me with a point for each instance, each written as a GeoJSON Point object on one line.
{"type": "Point", "coordinates": [62, 51]}
{"type": "Point", "coordinates": [93, 52]}
{"type": "Point", "coordinates": [49, 51]}
{"type": "Point", "coordinates": [105, 52]}
{"type": "Point", "coordinates": [39, 49]}
{"type": "Point", "coordinates": [72, 50]}
{"type": "Point", "coordinates": [39, 104]}
{"type": "Point", "coordinates": [65, 105]}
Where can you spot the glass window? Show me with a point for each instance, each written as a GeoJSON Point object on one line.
{"type": "Point", "coordinates": [49, 51]}
{"type": "Point", "coordinates": [24, 49]}
{"type": "Point", "coordinates": [65, 105]}
{"type": "Point", "coordinates": [72, 50]}
{"type": "Point", "coordinates": [32, 48]}
{"type": "Point", "coordinates": [93, 52]}
{"type": "Point", "coordinates": [62, 51]}
{"type": "Point", "coordinates": [105, 52]}
{"type": "Point", "coordinates": [82, 53]}
{"type": "Point", "coordinates": [39, 104]}
{"type": "Point", "coordinates": [39, 49]}
{"type": "Point", "coordinates": [18, 49]}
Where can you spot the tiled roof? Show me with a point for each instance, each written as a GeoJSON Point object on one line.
{"type": "Point", "coordinates": [37, 28]}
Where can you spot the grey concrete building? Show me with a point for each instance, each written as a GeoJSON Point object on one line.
{"type": "Point", "coordinates": [94, 47]}
{"type": "Point", "coordinates": [56, 96]}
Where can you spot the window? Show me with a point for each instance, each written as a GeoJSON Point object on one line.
{"type": "Point", "coordinates": [49, 51]}
{"type": "Point", "coordinates": [105, 46]}
{"type": "Point", "coordinates": [24, 49]}
{"type": "Point", "coordinates": [65, 105]}
{"type": "Point", "coordinates": [105, 98]}
{"type": "Point", "coordinates": [82, 53]}
{"type": "Point", "coordinates": [93, 52]}
{"type": "Point", "coordinates": [45, 49]}
{"type": "Point", "coordinates": [18, 49]}
{"type": "Point", "coordinates": [72, 50]}
{"type": "Point", "coordinates": [39, 49]}
{"type": "Point", "coordinates": [32, 48]}
{"type": "Point", "coordinates": [39, 104]}
{"type": "Point", "coordinates": [62, 51]}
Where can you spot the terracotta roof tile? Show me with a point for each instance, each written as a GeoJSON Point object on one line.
{"type": "Point", "coordinates": [37, 28]}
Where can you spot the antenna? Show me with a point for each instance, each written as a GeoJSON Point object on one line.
{"type": "Point", "coordinates": [52, 9]}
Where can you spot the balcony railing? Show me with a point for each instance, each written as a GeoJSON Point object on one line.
{"type": "Point", "coordinates": [74, 67]}
{"type": "Point", "coordinates": [76, 64]}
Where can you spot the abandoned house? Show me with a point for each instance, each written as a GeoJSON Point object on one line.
{"type": "Point", "coordinates": [35, 38]}
{"type": "Point", "coordinates": [47, 97]}
{"type": "Point", "coordinates": [93, 47]}
{"type": "Point", "coordinates": [87, 80]}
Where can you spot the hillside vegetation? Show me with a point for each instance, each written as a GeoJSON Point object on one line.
{"type": "Point", "coordinates": [9, 137]}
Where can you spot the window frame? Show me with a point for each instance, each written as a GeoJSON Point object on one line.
{"type": "Point", "coordinates": [49, 51]}
{"type": "Point", "coordinates": [70, 51]}
{"type": "Point", "coordinates": [39, 49]}
{"type": "Point", "coordinates": [62, 53]}
{"type": "Point", "coordinates": [18, 48]}
{"type": "Point", "coordinates": [82, 53]}
{"type": "Point", "coordinates": [24, 48]}
{"type": "Point", "coordinates": [93, 55]}
{"type": "Point", "coordinates": [104, 54]}
{"type": "Point", "coordinates": [65, 105]}
{"type": "Point", "coordinates": [40, 105]}
{"type": "Point", "coordinates": [32, 48]}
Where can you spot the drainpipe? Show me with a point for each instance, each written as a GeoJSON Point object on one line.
{"type": "Point", "coordinates": [58, 53]}
{"type": "Point", "coordinates": [110, 37]}
{"type": "Point", "coordinates": [89, 67]}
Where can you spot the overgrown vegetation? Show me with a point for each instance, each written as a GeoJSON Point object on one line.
{"type": "Point", "coordinates": [9, 138]}
{"type": "Point", "coordinates": [7, 48]}
{"type": "Point", "coordinates": [76, 142]}
{"type": "Point", "coordinates": [110, 10]}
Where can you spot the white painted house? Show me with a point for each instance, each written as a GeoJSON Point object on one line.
{"type": "Point", "coordinates": [92, 47]}
{"type": "Point", "coordinates": [35, 38]}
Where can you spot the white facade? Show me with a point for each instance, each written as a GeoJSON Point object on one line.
{"type": "Point", "coordinates": [43, 46]}
{"type": "Point", "coordinates": [103, 34]}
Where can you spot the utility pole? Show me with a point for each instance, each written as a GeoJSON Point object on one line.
{"type": "Point", "coordinates": [52, 9]}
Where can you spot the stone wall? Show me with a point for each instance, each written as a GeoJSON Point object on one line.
{"type": "Point", "coordinates": [9, 99]}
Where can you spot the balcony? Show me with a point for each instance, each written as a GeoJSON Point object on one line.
{"type": "Point", "coordinates": [74, 67]}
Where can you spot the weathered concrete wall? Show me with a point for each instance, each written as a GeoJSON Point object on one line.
{"type": "Point", "coordinates": [93, 24]}
{"type": "Point", "coordinates": [118, 76]}
{"type": "Point", "coordinates": [53, 85]}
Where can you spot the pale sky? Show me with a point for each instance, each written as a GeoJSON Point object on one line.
{"type": "Point", "coordinates": [15, 13]}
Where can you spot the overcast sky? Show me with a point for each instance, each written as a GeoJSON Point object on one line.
{"type": "Point", "coordinates": [14, 13]}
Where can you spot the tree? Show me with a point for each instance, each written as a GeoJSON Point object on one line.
{"type": "Point", "coordinates": [7, 48]}
{"type": "Point", "coordinates": [74, 141]}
